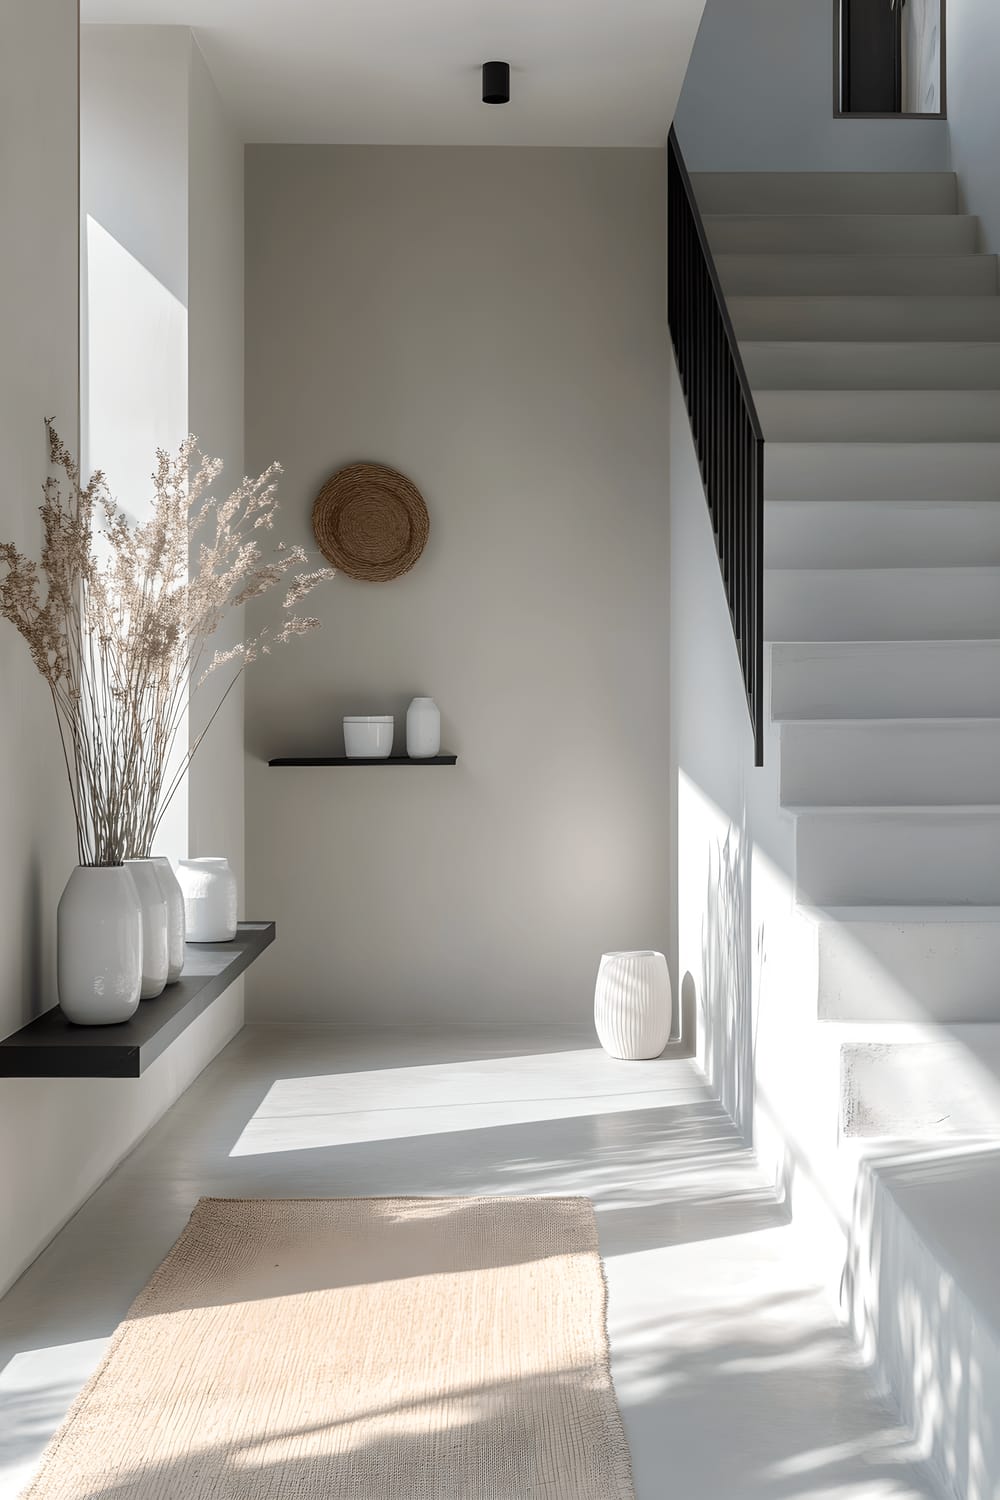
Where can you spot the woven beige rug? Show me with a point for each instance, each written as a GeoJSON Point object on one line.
{"type": "Point", "coordinates": [355, 1349]}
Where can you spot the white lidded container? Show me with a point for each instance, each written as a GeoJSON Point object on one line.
{"type": "Point", "coordinates": [211, 899]}
{"type": "Point", "coordinates": [423, 729]}
{"type": "Point", "coordinates": [368, 736]}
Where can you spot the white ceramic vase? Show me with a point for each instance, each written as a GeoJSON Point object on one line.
{"type": "Point", "coordinates": [632, 1005]}
{"type": "Point", "coordinates": [175, 917]}
{"type": "Point", "coordinates": [99, 946]}
{"type": "Point", "coordinates": [210, 899]}
{"type": "Point", "coordinates": [423, 729]}
{"type": "Point", "coordinates": [155, 952]}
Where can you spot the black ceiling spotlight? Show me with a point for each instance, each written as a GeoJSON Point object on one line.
{"type": "Point", "coordinates": [496, 83]}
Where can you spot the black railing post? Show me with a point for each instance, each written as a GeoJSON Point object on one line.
{"type": "Point", "coordinates": [727, 432]}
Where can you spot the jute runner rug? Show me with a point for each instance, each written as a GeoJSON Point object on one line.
{"type": "Point", "coordinates": [355, 1349]}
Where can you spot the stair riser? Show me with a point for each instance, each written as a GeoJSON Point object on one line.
{"type": "Point", "coordinates": [826, 192]}
{"type": "Point", "coordinates": [946, 1088]}
{"type": "Point", "coordinates": [863, 234]}
{"type": "Point", "coordinates": [881, 416]}
{"type": "Point", "coordinates": [877, 533]}
{"type": "Point", "coordinates": [898, 318]}
{"type": "Point", "coordinates": [938, 972]}
{"type": "Point", "coordinates": [902, 679]}
{"type": "Point", "coordinates": [882, 604]}
{"type": "Point", "coordinates": [869, 858]}
{"type": "Point", "coordinates": [870, 366]}
{"type": "Point", "coordinates": [763, 275]}
{"type": "Point", "coordinates": [883, 471]}
{"type": "Point", "coordinates": [886, 764]}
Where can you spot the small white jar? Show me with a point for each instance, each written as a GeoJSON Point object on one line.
{"type": "Point", "coordinates": [423, 729]}
{"type": "Point", "coordinates": [369, 736]}
{"type": "Point", "coordinates": [211, 899]}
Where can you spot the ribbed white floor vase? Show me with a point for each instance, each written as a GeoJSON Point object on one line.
{"type": "Point", "coordinates": [632, 1005]}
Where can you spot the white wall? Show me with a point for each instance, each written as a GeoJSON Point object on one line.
{"type": "Point", "coordinates": [758, 96]}
{"type": "Point", "coordinates": [134, 271]}
{"type": "Point", "coordinates": [215, 414]}
{"type": "Point", "coordinates": [38, 378]}
{"type": "Point", "coordinates": [490, 322]}
{"type": "Point", "coordinates": [973, 39]}
{"type": "Point", "coordinates": [744, 959]}
{"type": "Point", "coordinates": [59, 1138]}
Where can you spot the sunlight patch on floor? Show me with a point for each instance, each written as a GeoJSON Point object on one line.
{"type": "Point", "coordinates": [323, 1110]}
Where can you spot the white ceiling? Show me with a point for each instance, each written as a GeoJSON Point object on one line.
{"type": "Point", "coordinates": [583, 72]}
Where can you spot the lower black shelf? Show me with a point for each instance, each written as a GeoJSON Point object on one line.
{"type": "Point", "coordinates": [52, 1047]}
{"type": "Point", "coordinates": [344, 760]}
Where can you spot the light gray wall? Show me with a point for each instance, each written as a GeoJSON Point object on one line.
{"type": "Point", "coordinates": [490, 322]}
{"type": "Point", "coordinates": [973, 45]}
{"type": "Point", "coordinates": [758, 96]}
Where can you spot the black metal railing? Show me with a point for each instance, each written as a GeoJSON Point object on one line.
{"type": "Point", "coordinates": [724, 421]}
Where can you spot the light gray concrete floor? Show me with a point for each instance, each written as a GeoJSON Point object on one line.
{"type": "Point", "coordinates": [734, 1377]}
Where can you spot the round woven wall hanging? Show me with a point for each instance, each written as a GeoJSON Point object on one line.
{"type": "Point", "coordinates": [370, 522]}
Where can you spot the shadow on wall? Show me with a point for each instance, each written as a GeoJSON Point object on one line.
{"type": "Point", "coordinates": [726, 1002]}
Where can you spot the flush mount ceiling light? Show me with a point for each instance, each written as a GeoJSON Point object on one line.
{"type": "Point", "coordinates": [496, 83]}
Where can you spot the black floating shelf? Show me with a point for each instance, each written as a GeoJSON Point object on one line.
{"type": "Point", "coordinates": [52, 1047]}
{"type": "Point", "coordinates": [344, 760]}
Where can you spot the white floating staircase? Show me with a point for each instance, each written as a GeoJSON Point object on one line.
{"type": "Point", "coordinates": [869, 324]}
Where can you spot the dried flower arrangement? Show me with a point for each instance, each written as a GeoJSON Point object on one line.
{"type": "Point", "coordinates": [122, 630]}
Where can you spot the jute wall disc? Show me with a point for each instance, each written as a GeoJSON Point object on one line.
{"type": "Point", "coordinates": [370, 522]}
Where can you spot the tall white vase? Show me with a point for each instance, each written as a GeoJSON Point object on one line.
{"type": "Point", "coordinates": [423, 729]}
{"type": "Point", "coordinates": [99, 946]}
{"type": "Point", "coordinates": [155, 953]}
{"type": "Point", "coordinates": [175, 917]}
{"type": "Point", "coordinates": [632, 1005]}
{"type": "Point", "coordinates": [211, 900]}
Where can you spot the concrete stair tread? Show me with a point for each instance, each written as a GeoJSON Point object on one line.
{"type": "Point", "coordinates": [831, 233]}
{"type": "Point", "coordinates": [940, 1088]}
{"type": "Point", "coordinates": [947, 503]}
{"type": "Point", "coordinates": [906, 810]}
{"type": "Point", "coordinates": [940, 912]}
{"type": "Point", "coordinates": [882, 414]}
{"type": "Point", "coordinates": [924, 568]}
{"type": "Point", "coordinates": [885, 854]}
{"type": "Point", "coordinates": [907, 763]}
{"type": "Point", "coordinates": [871, 364]}
{"type": "Point", "coordinates": [956, 602]}
{"type": "Point", "coordinates": [882, 679]}
{"type": "Point", "coordinates": [891, 533]}
{"type": "Point", "coordinates": [860, 192]}
{"type": "Point", "coordinates": [825, 468]}
{"type": "Point", "coordinates": [814, 272]}
{"type": "Point", "coordinates": [897, 318]}
{"type": "Point", "coordinates": [905, 721]}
